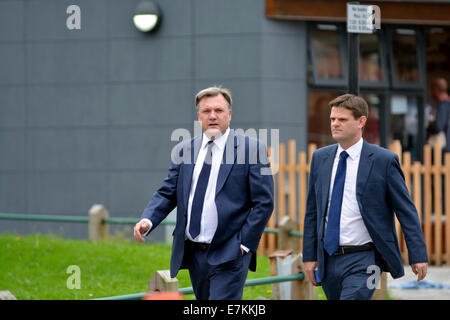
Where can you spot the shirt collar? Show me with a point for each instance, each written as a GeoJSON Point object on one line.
{"type": "Point", "coordinates": [354, 151]}
{"type": "Point", "coordinates": [219, 142]}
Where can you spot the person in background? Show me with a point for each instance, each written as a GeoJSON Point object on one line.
{"type": "Point", "coordinates": [440, 128]}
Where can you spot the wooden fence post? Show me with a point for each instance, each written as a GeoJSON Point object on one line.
{"type": "Point", "coordinates": [437, 184]}
{"type": "Point", "coordinates": [283, 262]}
{"type": "Point", "coordinates": [381, 294]}
{"type": "Point", "coordinates": [427, 223]}
{"type": "Point", "coordinates": [273, 259]}
{"type": "Point", "coordinates": [98, 231]}
{"type": "Point", "coordinates": [161, 281]}
{"type": "Point", "coordinates": [285, 241]}
{"type": "Point", "coordinates": [447, 207]}
{"type": "Point", "coordinates": [288, 260]}
{"type": "Point", "coordinates": [7, 295]}
{"type": "Point", "coordinates": [291, 180]}
{"type": "Point", "coordinates": [303, 289]}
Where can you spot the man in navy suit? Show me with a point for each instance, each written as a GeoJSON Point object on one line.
{"type": "Point", "coordinates": [222, 186]}
{"type": "Point", "coordinates": [349, 230]}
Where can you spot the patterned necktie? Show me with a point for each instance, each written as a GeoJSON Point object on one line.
{"type": "Point", "coordinates": [200, 191]}
{"type": "Point", "coordinates": [331, 242]}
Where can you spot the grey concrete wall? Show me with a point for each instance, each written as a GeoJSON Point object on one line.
{"type": "Point", "coordinates": [86, 115]}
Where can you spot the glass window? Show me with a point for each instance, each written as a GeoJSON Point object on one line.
{"type": "Point", "coordinates": [437, 59]}
{"type": "Point", "coordinates": [326, 51]}
{"type": "Point", "coordinates": [404, 123]}
{"type": "Point", "coordinates": [405, 55]}
{"type": "Point", "coordinates": [371, 131]}
{"type": "Point", "coordinates": [370, 67]}
{"type": "Point", "coordinates": [319, 118]}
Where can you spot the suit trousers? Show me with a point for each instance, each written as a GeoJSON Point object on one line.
{"type": "Point", "coordinates": [216, 282]}
{"type": "Point", "coordinates": [351, 276]}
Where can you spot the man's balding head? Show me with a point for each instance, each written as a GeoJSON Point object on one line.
{"type": "Point", "coordinates": [439, 89]}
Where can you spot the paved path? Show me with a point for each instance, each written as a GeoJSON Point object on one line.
{"type": "Point", "coordinates": [435, 274]}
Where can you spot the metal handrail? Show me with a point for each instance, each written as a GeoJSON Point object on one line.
{"type": "Point", "coordinates": [294, 233]}
{"type": "Point", "coordinates": [189, 290]}
{"type": "Point", "coordinates": [64, 218]}
{"type": "Point", "coordinates": [112, 220]}
{"type": "Point", "coordinates": [43, 217]}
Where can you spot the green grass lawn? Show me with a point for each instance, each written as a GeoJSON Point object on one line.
{"type": "Point", "coordinates": [35, 267]}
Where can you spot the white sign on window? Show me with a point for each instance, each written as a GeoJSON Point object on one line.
{"type": "Point", "coordinates": [399, 105]}
{"type": "Point", "coordinates": [362, 18]}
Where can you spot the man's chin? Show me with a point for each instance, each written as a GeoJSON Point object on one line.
{"type": "Point", "coordinates": [339, 139]}
{"type": "Point", "coordinates": [213, 133]}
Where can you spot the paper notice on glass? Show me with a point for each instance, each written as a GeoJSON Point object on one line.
{"type": "Point", "coordinates": [362, 18]}
{"type": "Point", "coordinates": [399, 105]}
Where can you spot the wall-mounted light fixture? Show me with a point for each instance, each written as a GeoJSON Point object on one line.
{"type": "Point", "coordinates": [147, 16]}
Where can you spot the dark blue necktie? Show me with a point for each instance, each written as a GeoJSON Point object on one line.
{"type": "Point", "coordinates": [331, 242]}
{"type": "Point", "coordinates": [199, 196]}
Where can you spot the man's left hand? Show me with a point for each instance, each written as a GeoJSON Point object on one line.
{"type": "Point", "coordinates": [420, 269]}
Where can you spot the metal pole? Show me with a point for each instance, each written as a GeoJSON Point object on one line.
{"type": "Point", "coordinates": [189, 290]}
{"type": "Point", "coordinates": [43, 217]}
{"type": "Point", "coordinates": [353, 61]}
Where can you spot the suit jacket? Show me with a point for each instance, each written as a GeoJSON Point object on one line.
{"type": "Point", "coordinates": [380, 191]}
{"type": "Point", "coordinates": [244, 198]}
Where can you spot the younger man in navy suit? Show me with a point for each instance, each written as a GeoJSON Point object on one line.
{"type": "Point", "coordinates": [354, 189]}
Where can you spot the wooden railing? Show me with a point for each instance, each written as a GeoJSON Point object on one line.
{"type": "Point", "coordinates": [427, 182]}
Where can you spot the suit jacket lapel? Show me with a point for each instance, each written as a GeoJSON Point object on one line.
{"type": "Point", "coordinates": [326, 170]}
{"type": "Point", "coordinates": [364, 168]}
{"type": "Point", "coordinates": [228, 160]}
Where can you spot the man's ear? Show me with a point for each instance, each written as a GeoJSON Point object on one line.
{"type": "Point", "coordinates": [362, 121]}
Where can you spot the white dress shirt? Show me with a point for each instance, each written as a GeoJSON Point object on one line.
{"type": "Point", "coordinates": [208, 224]}
{"type": "Point", "coordinates": [352, 228]}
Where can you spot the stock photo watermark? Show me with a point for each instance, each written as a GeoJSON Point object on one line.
{"type": "Point", "coordinates": [74, 280]}
{"type": "Point", "coordinates": [73, 21]}
{"type": "Point", "coordinates": [373, 282]}
{"type": "Point", "coordinates": [248, 153]}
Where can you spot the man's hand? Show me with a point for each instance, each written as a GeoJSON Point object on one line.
{"type": "Point", "coordinates": [310, 266]}
{"type": "Point", "coordinates": [420, 269]}
{"type": "Point", "coordinates": [139, 229]}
